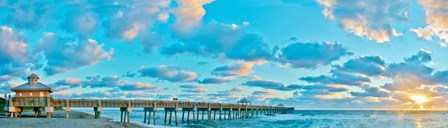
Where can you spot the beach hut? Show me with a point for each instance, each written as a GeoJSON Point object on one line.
{"type": "Point", "coordinates": [244, 102]}
{"type": "Point", "coordinates": [32, 89]}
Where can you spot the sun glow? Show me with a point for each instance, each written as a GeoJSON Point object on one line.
{"type": "Point", "coordinates": [419, 99]}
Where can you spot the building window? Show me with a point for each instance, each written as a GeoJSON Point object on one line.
{"type": "Point", "coordinates": [20, 94]}
{"type": "Point", "coordinates": [41, 94]}
{"type": "Point", "coordinates": [31, 93]}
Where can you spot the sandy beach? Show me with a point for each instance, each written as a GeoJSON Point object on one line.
{"type": "Point", "coordinates": [76, 120]}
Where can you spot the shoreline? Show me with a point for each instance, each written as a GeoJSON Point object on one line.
{"type": "Point", "coordinates": [77, 120]}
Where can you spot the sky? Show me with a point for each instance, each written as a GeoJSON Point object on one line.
{"type": "Point", "coordinates": [308, 54]}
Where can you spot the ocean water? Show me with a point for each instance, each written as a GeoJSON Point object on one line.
{"type": "Point", "coordinates": [307, 119]}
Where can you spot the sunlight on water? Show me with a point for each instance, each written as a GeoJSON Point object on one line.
{"type": "Point", "coordinates": [419, 123]}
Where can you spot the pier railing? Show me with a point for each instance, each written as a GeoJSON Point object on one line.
{"type": "Point", "coordinates": [116, 103]}
{"type": "Point", "coordinates": [30, 102]}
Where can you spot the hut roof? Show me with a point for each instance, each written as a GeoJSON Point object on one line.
{"type": "Point", "coordinates": [33, 76]}
{"type": "Point", "coordinates": [29, 87]}
{"type": "Point", "coordinates": [32, 87]}
{"type": "Point", "coordinates": [280, 105]}
{"type": "Point", "coordinates": [244, 101]}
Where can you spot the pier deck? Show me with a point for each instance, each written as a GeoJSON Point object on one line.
{"type": "Point", "coordinates": [223, 110]}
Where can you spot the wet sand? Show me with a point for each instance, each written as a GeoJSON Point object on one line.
{"type": "Point", "coordinates": [58, 120]}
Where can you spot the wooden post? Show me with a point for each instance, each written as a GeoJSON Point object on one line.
{"type": "Point", "coordinates": [98, 109]}
{"type": "Point", "coordinates": [224, 116]}
{"type": "Point", "coordinates": [35, 111]}
{"type": "Point", "coordinates": [6, 107]}
{"type": "Point", "coordinates": [175, 117]}
{"type": "Point", "coordinates": [149, 117]}
{"type": "Point", "coordinates": [188, 116]}
{"type": "Point", "coordinates": [10, 106]}
{"type": "Point", "coordinates": [256, 111]}
{"type": "Point", "coordinates": [49, 109]}
{"type": "Point", "coordinates": [67, 108]}
{"type": "Point", "coordinates": [252, 111]}
{"type": "Point", "coordinates": [13, 111]}
{"type": "Point", "coordinates": [121, 115]}
{"type": "Point", "coordinates": [209, 111]}
{"type": "Point", "coordinates": [147, 114]}
{"type": "Point", "coordinates": [125, 116]}
{"type": "Point", "coordinates": [214, 115]}
{"type": "Point", "coordinates": [176, 108]}
{"type": "Point", "coordinates": [97, 114]}
{"type": "Point", "coordinates": [129, 111]}
{"type": "Point", "coordinates": [197, 115]}
{"type": "Point", "coordinates": [230, 112]}
{"type": "Point", "coordinates": [144, 117]}
{"type": "Point", "coordinates": [263, 110]}
{"type": "Point", "coordinates": [235, 116]}
{"type": "Point", "coordinates": [183, 114]}
{"type": "Point", "coordinates": [154, 111]}
{"type": "Point", "coordinates": [166, 113]}
{"type": "Point", "coordinates": [171, 113]}
{"type": "Point", "coordinates": [195, 110]}
{"type": "Point", "coordinates": [220, 111]}
{"type": "Point", "coordinates": [202, 114]}
{"type": "Point", "coordinates": [129, 116]}
{"type": "Point", "coordinates": [246, 113]}
{"type": "Point", "coordinates": [239, 111]}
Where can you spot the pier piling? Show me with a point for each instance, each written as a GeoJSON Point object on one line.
{"type": "Point", "coordinates": [209, 111]}
{"type": "Point", "coordinates": [149, 117]}
{"type": "Point", "coordinates": [203, 114]}
{"type": "Point", "coordinates": [195, 109]}
{"type": "Point", "coordinates": [183, 114]}
{"type": "Point", "coordinates": [220, 111]}
{"type": "Point", "coordinates": [144, 117]}
{"type": "Point", "coordinates": [171, 113]}
{"type": "Point", "coordinates": [166, 113]}
{"type": "Point", "coordinates": [188, 116]}
{"type": "Point", "coordinates": [175, 117]}
{"type": "Point", "coordinates": [67, 108]}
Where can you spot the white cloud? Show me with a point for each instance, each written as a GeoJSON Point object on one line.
{"type": "Point", "coordinates": [13, 47]}
{"type": "Point", "coordinates": [437, 20]}
{"type": "Point", "coordinates": [64, 54]}
{"type": "Point", "coordinates": [15, 57]}
{"type": "Point", "coordinates": [367, 18]}
{"type": "Point", "coordinates": [237, 69]}
{"type": "Point", "coordinates": [189, 14]}
{"type": "Point", "coordinates": [135, 17]}
{"type": "Point", "coordinates": [172, 74]}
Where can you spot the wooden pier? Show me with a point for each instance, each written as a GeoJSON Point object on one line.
{"type": "Point", "coordinates": [198, 110]}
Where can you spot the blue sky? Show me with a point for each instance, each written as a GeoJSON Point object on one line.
{"type": "Point", "coordinates": [310, 54]}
